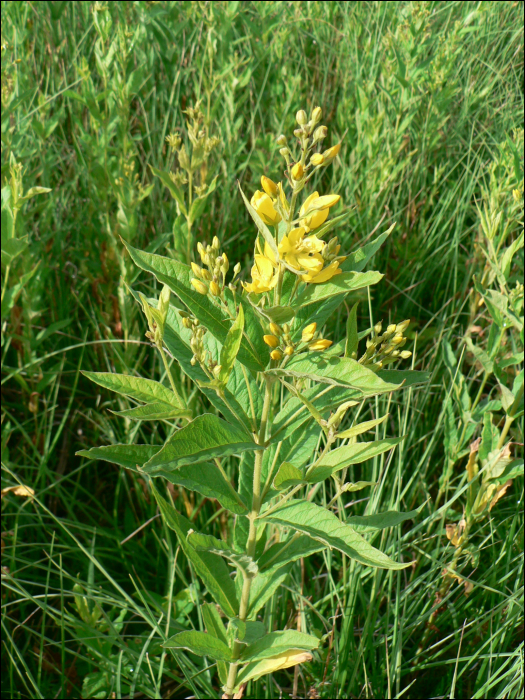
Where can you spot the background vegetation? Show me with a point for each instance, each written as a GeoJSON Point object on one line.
{"type": "Point", "coordinates": [427, 99]}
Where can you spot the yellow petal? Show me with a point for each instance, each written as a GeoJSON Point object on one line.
{"type": "Point", "coordinates": [269, 253]}
{"type": "Point", "coordinates": [323, 275]}
{"type": "Point", "coordinates": [307, 202]}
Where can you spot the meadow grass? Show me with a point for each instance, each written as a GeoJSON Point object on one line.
{"type": "Point", "coordinates": [427, 99]}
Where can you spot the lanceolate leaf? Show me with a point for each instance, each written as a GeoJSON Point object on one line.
{"type": "Point", "coordinates": [231, 346]}
{"type": "Point", "coordinates": [208, 543]}
{"type": "Point", "coordinates": [204, 438]}
{"type": "Point", "coordinates": [340, 284]}
{"type": "Point", "coordinates": [215, 628]}
{"type": "Point", "coordinates": [323, 526]}
{"type": "Point", "coordinates": [344, 456]}
{"type": "Point", "coordinates": [283, 553]}
{"type": "Point", "coordinates": [211, 568]}
{"type": "Point", "coordinates": [263, 229]}
{"type": "Point", "coordinates": [136, 387]}
{"type": "Point", "coordinates": [406, 377]}
{"type": "Point", "coordinates": [359, 259]}
{"type": "Point", "coordinates": [201, 644]}
{"type": "Point", "coordinates": [287, 476]}
{"type": "Point", "coordinates": [154, 411]}
{"type": "Point", "coordinates": [361, 428]}
{"type": "Point", "coordinates": [129, 456]}
{"type": "Point", "coordinates": [371, 523]}
{"type": "Point", "coordinates": [177, 276]}
{"type": "Point", "coordinates": [205, 478]}
{"type": "Point", "coordinates": [352, 337]}
{"type": "Point", "coordinates": [336, 371]}
{"type": "Point", "coordinates": [278, 643]}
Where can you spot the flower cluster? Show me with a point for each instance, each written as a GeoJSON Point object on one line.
{"type": "Point", "coordinates": [281, 342]}
{"type": "Point", "coordinates": [212, 279]}
{"type": "Point", "coordinates": [384, 348]}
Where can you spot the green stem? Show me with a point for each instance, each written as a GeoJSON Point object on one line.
{"type": "Point", "coordinates": [170, 376]}
{"type": "Point", "coordinates": [252, 537]}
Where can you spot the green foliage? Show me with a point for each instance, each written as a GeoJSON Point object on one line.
{"type": "Point", "coordinates": [97, 128]}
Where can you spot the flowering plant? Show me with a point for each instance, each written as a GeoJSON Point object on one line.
{"type": "Point", "coordinates": [263, 453]}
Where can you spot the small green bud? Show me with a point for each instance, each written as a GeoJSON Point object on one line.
{"type": "Point", "coordinates": [282, 140]}
{"type": "Point", "coordinates": [301, 117]}
{"type": "Point", "coordinates": [316, 115]}
{"type": "Point", "coordinates": [378, 328]}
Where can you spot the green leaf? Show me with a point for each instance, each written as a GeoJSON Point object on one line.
{"type": "Point", "coordinates": [480, 355]}
{"type": "Point", "coordinates": [129, 456]}
{"type": "Point", "coordinates": [231, 346]}
{"type": "Point", "coordinates": [352, 338]}
{"type": "Point", "coordinates": [283, 553]}
{"type": "Point", "coordinates": [287, 476]}
{"type": "Point", "coordinates": [33, 191]}
{"type": "Point", "coordinates": [256, 669]}
{"type": "Point", "coordinates": [177, 276]}
{"type": "Point", "coordinates": [208, 543]}
{"type": "Point", "coordinates": [371, 523]}
{"type": "Point", "coordinates": [489, 437]}
{"type": "Point", "coordinates": [323, 526]}
{"type": "Point", "coordinates": [361, 428]}
{"type": "Point", "coordinates": [175, 192]}
{"type": "Point", "coordinates": [206, 437]}
{"type": "Point", "coordinates": [357, 260]}
{"type": "Point", "coordinates": [135, 387]}
{"type": "Point", "coordinates": [358, 485]}
{"type": "Point", "coordinates": [11, 248]}
{"type": "Point", "coordinates": [263, 229]}
{"type": "Point", "coordinates": [335, 371]}
{"type": "Point", "coordinates": [340, 284]}
{"type": "Point", "coordinates": [263, 588]}
{"type": "Point", "coordinates": [206, 479]}
{"type": "Point", "coordinates": [154, 411]}
{"type": "Point", "coordinates": [344, 456]}
{"type": "Point", "coordinates": [506, 261]}
{"type": "Point", "coordinates": [211, 568]}
{"type": "Point", "coordinates": [278, 643]}
{"type": "Point", "coordinates": [215, 628]}
{"type": "Point", "coordinates": [276, 314]}
{"type": "Point", "coordinates": [406, 377]}
{"type": "Point", "coordinates": [201, 644]}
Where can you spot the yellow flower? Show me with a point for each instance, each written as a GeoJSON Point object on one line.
{"type": "Point", "coordinates": [314, 211]}
{"type": "Point", "coordinates": [332, 152]}
{"type": "Point", "coordinates": [320, 344]}
{"type": "Point", "coordinates": [308, 332]}
{"type": "Point", "coordinates": [276, 354]}
{"type": "Point", "coordinates": [269, 186]}
{"type": "Point", "coordinates": [271, 340]}
{"type": "Point", "coordinates": [323, 275]}
{"type": "Point", "coordinates": [300, 252]}
{"type": "Point", "coordinates": [263, 205]}
{"type": "Point", "coordinates": [263, 276]}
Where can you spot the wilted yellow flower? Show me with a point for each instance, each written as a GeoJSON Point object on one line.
{"type": "Point", "coordinates": [268, 186]}
{"type": "Point", "coordinates": [320, 344]}
{"type": "Point", "coordinates": [323, 275]}
{"type": "Point", "coordinates": [262, 204]}
{"type": "Point", "coordinates": [308, 332]}
{"type": "Point", "coordinates": [276, 354]}
{"type": "Point", "coordinates": [263, 276]}
{"type": "Point", "coordinates": [315, 210]}
{"type": "Point", "coordinates": [271, 340]}
{"type": "Point", "coordinates": [199, 286]}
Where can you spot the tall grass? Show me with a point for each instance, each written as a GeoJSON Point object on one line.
{"type": "Point", "coordinates": [426, 97]}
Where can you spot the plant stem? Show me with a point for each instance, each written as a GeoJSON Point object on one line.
{"type": "Point", "coordinates": [252, 536]}
{"type": "Point", "coordinates": [170, 376]}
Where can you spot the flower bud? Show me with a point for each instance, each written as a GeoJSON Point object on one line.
{"type": "Point", "coordinates": [391, 329]}
{"type": "Point", "coordinates": [288, 350]}
{"type": "Point", "coordinates": [271, 340]}
{"type": "Point", "coordinates": [215, 243]}
{"type": "Point", "coordinates": [298, 133]}
{"type": "Point", "coordinates": [201, 250]}
{"type": "Point", "coordinates": [225, 266]}
{"type": "Point", "coordinates": [317, 159]}
{"type": "Point", "coordinates": [308, 332]}
{"type": "Point", "coordinates": [276, 354]}
{"type": "Point", "coordinates": [276, 329]}
{"type": "Point", "coordinates": [297, 171]}
{"type": "Point", "coordinates": [320, 133]}
{"type": "Point", "coordinates": [378, 328]}
{"type": "Point", "coordinates": [282, 140]}
{"type": "Point", "coordinates": [216, 370]}
{"type": "Point", "coordinates": [301, 117]}
{"type": "Point", "coordinates": [197, 270]}
{"type": "Point", "coordinates": [199, 286]}
{"type": "Point", "coordinates": [401, 327]}
{"type": "Point", "coordinates": [215, 289]}
{"type": "Point", "coordinates": [405, 354]}
{"type": "Point", "coordinates": [332, 152]}
{"type": "Point", "coordinates": [398, 338]}
{"type": "Point", "coordinates": [317, 114]}
{"type": "Point", "coordinates": [268, 186]}
{"type": "Point", "coordinates": [320, 344]}
{"type": "Point", "coordinates": [284, 152]}
{"type": "Point", "coordinates": [186, 322]}
{"type": "Point", "coordinates": [206, 275]}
